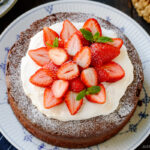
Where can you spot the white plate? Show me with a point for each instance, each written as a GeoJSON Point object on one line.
{"type": "Point", "coordinates": [6, 6]}
{"type": "Point", "coordinates": [139, 126]}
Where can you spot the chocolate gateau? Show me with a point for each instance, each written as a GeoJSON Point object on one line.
{"type": "Point", "coordinates": [76, 133]}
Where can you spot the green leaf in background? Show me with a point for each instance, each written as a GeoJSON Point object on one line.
{"type": "Point", "coordinates": [81, 95]}
{"type": "Point", "coordinates": [87, 35]}
{"type": "Point", "coordinates": [93, 89]}
{"type": "Point", "coordinates": [104, 39]}
{"type": "Point", "coordinates": [55, 43]}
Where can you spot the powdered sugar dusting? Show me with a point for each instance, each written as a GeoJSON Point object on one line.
{"type": "Point", "coordinates": [80, 128]}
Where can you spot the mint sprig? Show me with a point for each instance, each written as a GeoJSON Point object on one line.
{"type": "Point", "coordinates": [93, 89]}
{"type": "Point", "coordinates": [81, 95]}
{"type": "Point", "coordinates": [104, 39]}
{"type": "Point", "coordinates": [96, 37]}
{"type": "Point", "coordinates": [87, 35]}
{"type": "Point", "coordinates": [88, 91]}
{"type": "Point", "coordinates": [55, 43]}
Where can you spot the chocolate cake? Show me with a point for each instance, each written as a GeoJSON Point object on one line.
{"type": "Point", "coordinates": [77, 133]}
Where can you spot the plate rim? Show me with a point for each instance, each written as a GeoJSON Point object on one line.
{"type": "Point", "coordinates": [146, 134]}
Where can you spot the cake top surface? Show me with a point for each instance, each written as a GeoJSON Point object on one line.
{"type": "Point", "coordinates": [80, 127]}
{"type": "Point", "coordinates": [112, 91]}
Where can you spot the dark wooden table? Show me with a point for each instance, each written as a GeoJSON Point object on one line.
{"type": "Point", "coordinates": [123, 5]}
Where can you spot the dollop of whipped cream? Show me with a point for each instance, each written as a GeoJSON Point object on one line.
{"type": "Point", "coordinates": [114, 91]}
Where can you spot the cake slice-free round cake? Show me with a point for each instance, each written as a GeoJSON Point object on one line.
{"type": "Point", "coordinates": [60, 106]}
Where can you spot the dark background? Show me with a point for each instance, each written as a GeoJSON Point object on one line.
{"type": "Point", "coordinates": [25, 5]}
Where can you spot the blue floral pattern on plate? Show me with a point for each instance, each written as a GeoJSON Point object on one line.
{"type": "Point", "coordinates": [49, 9]}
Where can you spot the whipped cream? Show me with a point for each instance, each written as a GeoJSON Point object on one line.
{"type": "Point", "coordinates": [114, 91]}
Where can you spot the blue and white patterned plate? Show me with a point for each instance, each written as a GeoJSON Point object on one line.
{"type": "Point", "coordinates": [138, 127]}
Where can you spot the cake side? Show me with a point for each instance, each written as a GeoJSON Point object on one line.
{"type": "Point", "coordinates": [82, 131]}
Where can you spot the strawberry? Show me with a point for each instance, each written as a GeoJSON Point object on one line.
{"type": "Point", "coordinates": [71, 102]}
{"type": "Point", "coordinates": [114, 71]}
{"type": "Point", "coordinates": [89, 77]}
{"type": "Point", "coordinates": [76, 85]}
{"type": "Point", "coordinates": [39, 56]}
{"type": "Point", "coordinates": [102, 74]}
{"type": "Point", "coordinates": [49, 35]}
{"type": "Point", "coordinates": [42, 78]}
{"type": "Point", "coordinates": [117, 42]}
{"type": "Point", "coordinates": [83, 57]}
{"type": "Point", "coordinates": [58, 55]}
{"type": "Point", "coordinates": [52, 68]}
{"type": "Point", "coordinates": [50, 100]}
{"type": "Point", "coordinates": [73, 45]}
{"type": "Point", "coordinates": [68, 71]}
{"type": "Point", "coordinates": [93, 25]}
{"type": "Point", "coordinates": [83, 40]}
{"type": "Point", "coordinates": [99, 98]}
{"type": "Point", "coordinates": [59, 88]}
{"type": "Point", "coordinates": [61, 44]}
{"type": "Point", "coordinates": [103, 53]}
{"type": "Point", "coordinates": [67, 30]}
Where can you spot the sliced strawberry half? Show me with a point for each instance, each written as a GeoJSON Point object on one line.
{"type": "Point", "coordinates": [93, 25]}
{"type": "Point", "coordinates": [73, 45]}
{"type": "Point", "coordinates": [114, 71]}
{"type": "Point", "coordinates": [117, 42]}
{"type": "Point", "coordinates": [58, 55]}
{"type": "Point", "coordinates": [49, 35]}
{"type": "Point", "coordinates": [68, 71]}
{"type": "Point", "coordinates": [71, 102]}
{"type": "Point", "coordinates": [83, 40]}
{"type": "Point", "coordinates": [59, 88]}
{"type": "Point", "coordinates": [42, 78]}
{"type": "Point", "coordinates": [50, 100]}
{"type": "Point", "coordinates": [67, 30]}
{"type": "Point", "coordinates": [52, 68]}
{"type": "Point", "coordinates": [76, 85]}
{"type": "Point", "coordinates": [103, 76]}
{"type": "Point", "coordinates": [103, 53]}
{"type": "Point", "coordinates": [83, 57]}
{"type": "Point", "coordinates": [39, 56]}
{"type": "Point", "coordinates": [100, 97]}
{"type": "Point", "coordinates": [89, 77]}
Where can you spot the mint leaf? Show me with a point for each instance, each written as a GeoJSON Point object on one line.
{"type": "Point", "coordinates": [49, 44]}
{"type": "Point", "coordinates": [101, 39]}
{"type": "Point", "coordinates": [96, 36]}
{"type": "Point", "coordinates": [88, 91]}
{"type": "Point", "coordinates": [104, 39]}
{"type": "Point", "coordinates": [55, 43]}
{"type": "Point", "coordinates": [81, 95]}
{"type": "Point", "coordinates": [87, 35]}
{"type": "Point", "coordinates": [93, 89]}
